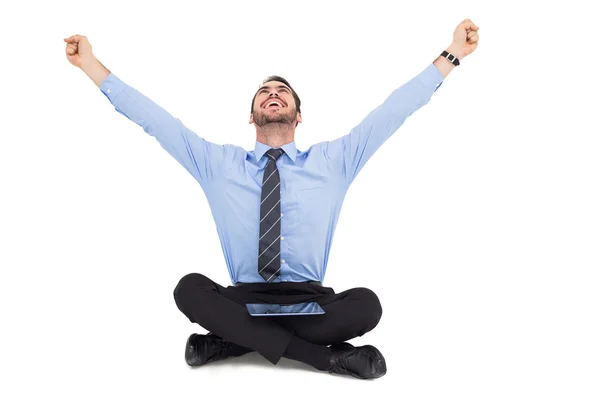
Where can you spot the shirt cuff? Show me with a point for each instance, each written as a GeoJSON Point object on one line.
{"type": "Point", "coordinates": [111, 86]}
{"type": "Point", "coordinates": [432, 78]}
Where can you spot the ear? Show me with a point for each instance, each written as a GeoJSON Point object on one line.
{"type": "Point", "coordinates": [251, 119]}
{"type": "Point", "coordinates": [299, 117]}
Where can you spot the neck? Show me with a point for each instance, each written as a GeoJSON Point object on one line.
{"type": "Point", "coordinates": [275, 135]}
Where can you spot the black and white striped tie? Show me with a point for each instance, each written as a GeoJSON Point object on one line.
{"type": "Point", "coordinates": [270, 215]}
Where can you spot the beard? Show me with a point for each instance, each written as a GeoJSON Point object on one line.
{"type": "Point", "coordinates": [264, 117]}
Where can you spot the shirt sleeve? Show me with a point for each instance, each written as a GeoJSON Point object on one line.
{"type": "Point", "coordinates": [349, 154]}
{"type": "Point", "coordinates": [201, 158]}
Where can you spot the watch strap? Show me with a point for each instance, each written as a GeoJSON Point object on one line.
{"type": "Point", "coordinates": [450, 57]}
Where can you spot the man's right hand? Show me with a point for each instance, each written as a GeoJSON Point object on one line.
{"type": "Point", "coordinates": [79, 50]}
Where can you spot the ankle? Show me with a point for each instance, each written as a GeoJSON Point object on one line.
{"type": "Point", "coordinates": [319, 356]}
{"type": "Point", "coordinates": [235, 350]}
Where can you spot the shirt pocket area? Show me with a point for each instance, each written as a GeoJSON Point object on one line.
{"type": "Point", "coordinates": [313, 204]}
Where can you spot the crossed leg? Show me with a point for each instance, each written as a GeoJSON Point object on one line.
{"type": "Point", "coordinates": [221, 311]}
{"type": "Point", "coordinates": [348, 314]}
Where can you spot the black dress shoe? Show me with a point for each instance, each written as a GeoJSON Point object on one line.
{"type": "Point", "coordinates": [364, 362]}
{"type": "Point", "coordinates": [202, 349]}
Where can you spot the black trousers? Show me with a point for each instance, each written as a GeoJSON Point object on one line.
{"type": "Point", "coordinates": [222, 311]}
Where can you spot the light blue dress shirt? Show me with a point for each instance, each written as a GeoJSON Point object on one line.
{"type": "Point", "coordinates": [313, 182]}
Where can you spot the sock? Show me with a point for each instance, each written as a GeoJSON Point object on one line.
{"type": "Point", "coordinates": [235, 350]}
{"type": "Point", "coordinates": [312, 354]}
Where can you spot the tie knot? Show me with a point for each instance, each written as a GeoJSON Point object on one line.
{"type": "Point", "coordinates": [274, 153]}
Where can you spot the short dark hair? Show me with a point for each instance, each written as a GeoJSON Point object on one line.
{"type": "Point", "coordinates": [278, 78]}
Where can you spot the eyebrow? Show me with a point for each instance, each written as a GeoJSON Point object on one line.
{"type": "Point", "coordinates": [278, 87]}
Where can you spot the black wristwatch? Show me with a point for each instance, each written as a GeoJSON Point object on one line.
{"type": "Point", "coordinates": [450, 57]}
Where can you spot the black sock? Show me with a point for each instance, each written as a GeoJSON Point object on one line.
{"type": "Point", "coordinates": [312, 354]}
{"type": "Point", "coordinates": [235, 350]}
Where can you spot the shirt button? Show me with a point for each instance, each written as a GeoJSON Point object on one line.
{"type": "Point", "coordinates": [282, 238]}
{"type": "Point", "coordinates": [107, 90]}
{"type": "Point", "coordinates": [283, 261]}
{"type": "Point", "coordinates": [282, 214]}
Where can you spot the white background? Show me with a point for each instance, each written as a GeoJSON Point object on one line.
{"type": "Point", "coordinates": [480, 215]}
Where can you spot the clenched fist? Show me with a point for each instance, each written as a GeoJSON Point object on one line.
{"type": "Point", "coordinates": [79, 50]}
{"type": "Point", "coordinates": [465, 39]}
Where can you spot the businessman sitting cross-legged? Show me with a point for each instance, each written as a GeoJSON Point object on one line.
{"type": "Point", "coordinates": [276, 208]}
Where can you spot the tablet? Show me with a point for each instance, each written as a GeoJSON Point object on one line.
{"type": "Point", "coordinates": [273, 310]}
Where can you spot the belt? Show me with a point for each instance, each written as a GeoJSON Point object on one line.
{"type": "Point", "coordinates": [317, 283]}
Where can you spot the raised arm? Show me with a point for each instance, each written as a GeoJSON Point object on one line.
{"type": "Point", "coordinates": [348, 154]}
{"type": "Point", "coordinates": [201, 158]}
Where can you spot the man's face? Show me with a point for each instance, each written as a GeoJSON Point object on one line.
{"type": "Point", "coordinates": [274, 103]}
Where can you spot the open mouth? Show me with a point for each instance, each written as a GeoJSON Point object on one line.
{"type": "Point", "coordinates": [273, 104]}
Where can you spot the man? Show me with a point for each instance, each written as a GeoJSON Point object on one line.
{"type": "Point", "coordinates": [276, 209]}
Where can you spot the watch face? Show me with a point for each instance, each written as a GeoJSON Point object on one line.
{"type": "Point", "coordinates": [450, 57]}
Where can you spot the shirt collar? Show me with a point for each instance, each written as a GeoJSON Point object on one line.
{"type": "Point", "coordinates": [289, 148]}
